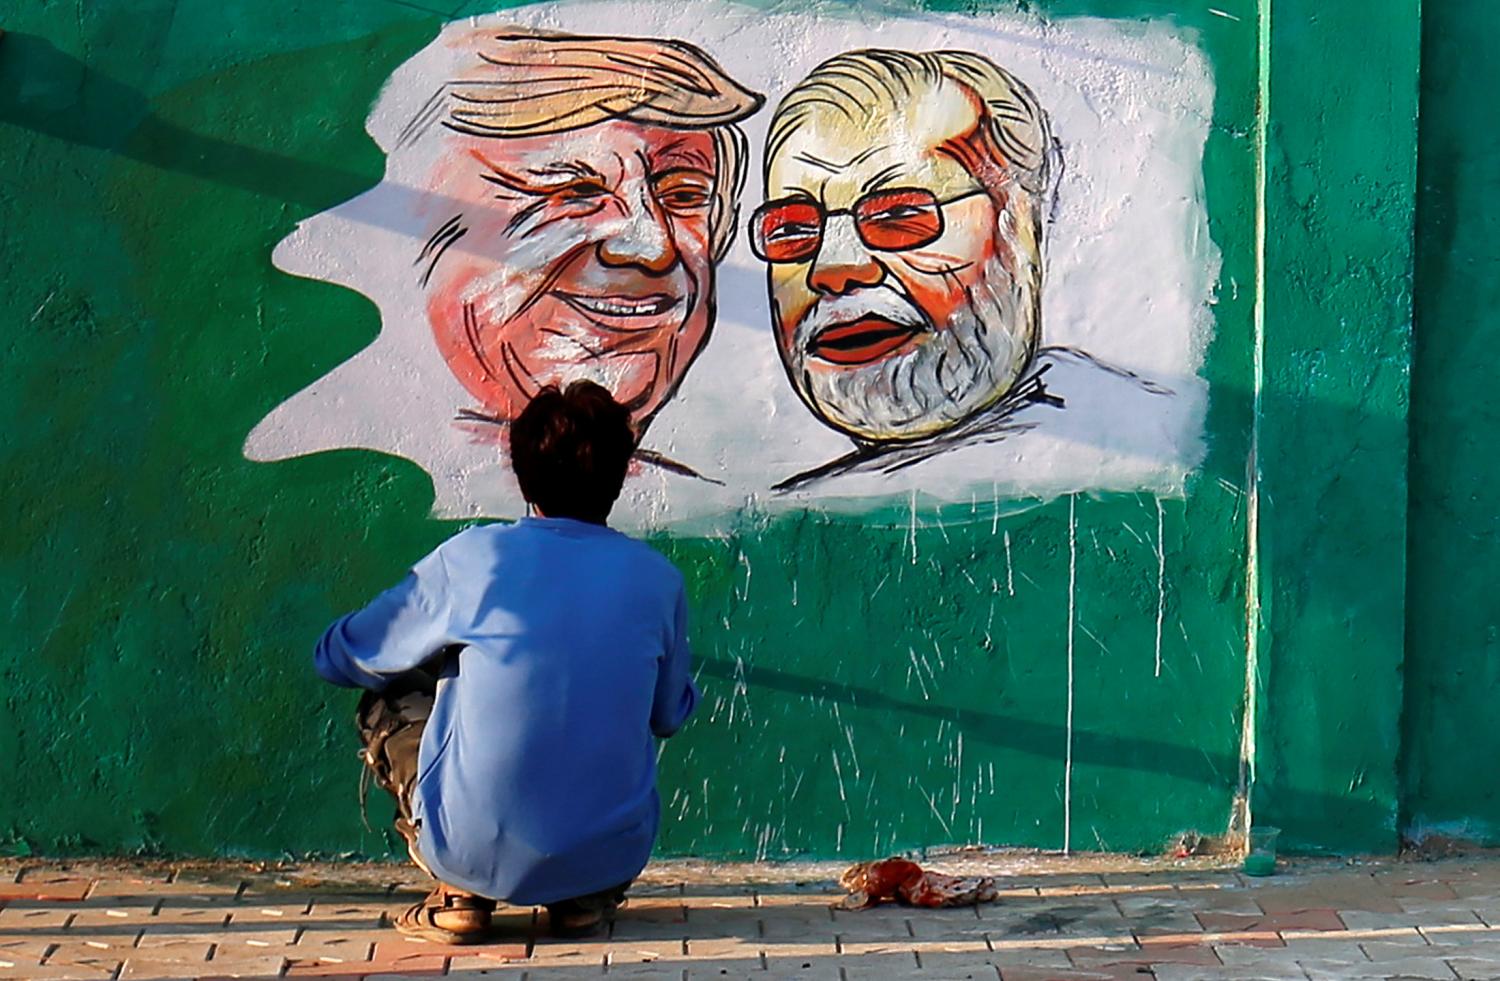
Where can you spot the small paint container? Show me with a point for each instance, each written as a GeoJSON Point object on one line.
{"type": "Point", "coordinates": [1261, 859]}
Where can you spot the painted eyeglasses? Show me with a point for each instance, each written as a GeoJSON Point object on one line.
{"type": "Point", "coordinates": [791, 229]}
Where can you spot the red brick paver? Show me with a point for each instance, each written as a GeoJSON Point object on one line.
{"type": "Point", "coordinates": [44, 888]}
{"type": "Point", "coordinates": [1307, 919]}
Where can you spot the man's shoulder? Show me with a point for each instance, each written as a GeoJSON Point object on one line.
{"type": "Point", "coordinates": [601, 540]}
{"type": "Point", "coordinates": [475, 537]}
{"type": "Point", "coordinates": [648, 558]}
{"type": "Point", "coordinates": [488, 540]}
{"type": "Point", "coordinates": [473, 550]}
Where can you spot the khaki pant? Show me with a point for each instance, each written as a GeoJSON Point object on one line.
{"type": "Point", "coordinates": [391, 724]}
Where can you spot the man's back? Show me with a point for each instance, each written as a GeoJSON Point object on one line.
{"type": "Point", "coordinates": [537, 774]}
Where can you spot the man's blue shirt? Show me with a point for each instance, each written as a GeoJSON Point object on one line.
{"type": "Point", "coordinates": [537, 772]}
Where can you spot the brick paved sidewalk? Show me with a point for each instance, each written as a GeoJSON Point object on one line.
{"type": "Point", "coordinates": [1071, 920]}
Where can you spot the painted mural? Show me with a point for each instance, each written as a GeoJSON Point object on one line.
{"type": "Point", "coordinates": [976, 262]}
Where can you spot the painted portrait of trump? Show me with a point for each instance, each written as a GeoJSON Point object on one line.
{"type": "Point", "coordinates": [583, 191]}
{"type": "Point", "coordinates": [559, 204]}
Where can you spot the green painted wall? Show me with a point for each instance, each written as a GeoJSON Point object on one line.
{"type": "Point", "coordinates": [1453, 626]}
{"type": "Point", "coordinates": [1331, 448]}
{"type": "Point", "coordinates": [868, 687]}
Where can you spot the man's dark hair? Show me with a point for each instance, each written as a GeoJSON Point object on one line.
{"type": "Point", "coordinates": [570, 449]}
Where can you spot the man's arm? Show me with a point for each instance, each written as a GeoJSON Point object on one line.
{"type": "Point", "coordinates": [676, 695]}
{"type": "Point", "coordinates": [400, 629]}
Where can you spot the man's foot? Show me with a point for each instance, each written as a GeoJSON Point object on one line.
{"type": "Point", "coordinates": [448, 916]}
{"type": "Point", "coordinates": [584, 916]}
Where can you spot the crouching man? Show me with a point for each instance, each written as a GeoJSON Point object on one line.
{"type": "Point", "coordinates": [515, 681]}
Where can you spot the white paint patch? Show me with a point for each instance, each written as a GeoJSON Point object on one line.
{"type": "Point", "coordinates": [1129, 277]}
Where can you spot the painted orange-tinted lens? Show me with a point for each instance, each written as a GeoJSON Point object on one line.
{"type": "Point", "coordinates": [898, 219]}
{"type": "Point", "coordinates": [788, 231]}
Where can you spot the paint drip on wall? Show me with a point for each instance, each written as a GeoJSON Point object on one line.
{"type": "Point", "coordinates": [827, 258]}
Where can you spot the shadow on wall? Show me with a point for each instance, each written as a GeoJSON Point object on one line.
{"type": "Point", "coordinates": [51, 92]}
{"type": "Point", "coordinates": [1048, 741]}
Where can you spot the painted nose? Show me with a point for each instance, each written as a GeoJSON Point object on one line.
{"type": "Point", "coordinates": [843, 264]}
{"type": "Point", "coordinates": [643, 240]}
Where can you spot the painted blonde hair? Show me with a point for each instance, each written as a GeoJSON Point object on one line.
{"type": "Point", "coordinates": [1016, 135]}
{"type": "Point", "coordinates": [535, 83]}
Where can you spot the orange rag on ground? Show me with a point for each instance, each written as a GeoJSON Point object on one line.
{"type": "Point", "coordinates": [902, 881]}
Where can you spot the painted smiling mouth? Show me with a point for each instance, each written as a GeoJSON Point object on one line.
{"type": "Point", "coordinates": [621, 307]}
{"type": "Point", "coordinates": [862, 341]}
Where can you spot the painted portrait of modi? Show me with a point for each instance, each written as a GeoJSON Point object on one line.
{"type": "Point", "coordinates": [903, 236]}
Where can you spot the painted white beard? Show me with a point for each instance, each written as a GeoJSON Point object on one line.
{"type": "Point", "coordinates": [964, 367]}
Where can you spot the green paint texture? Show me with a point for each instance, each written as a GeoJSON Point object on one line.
{"type": "Point", "coordinates": [1340, 86]}
{"type": "Point", "coordinates": [1453, 624]}
{"type": "Point", "coordinates": [893, 681]}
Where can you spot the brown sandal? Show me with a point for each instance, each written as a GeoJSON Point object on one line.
{"type": "Point", "coordinates": [420, 919]}
{"type": "Point", "coordinates": [585, 916]}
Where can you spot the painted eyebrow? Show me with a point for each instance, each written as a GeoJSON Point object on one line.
{"type": "Point", "coordinates": [571, 168]}
{"type": "Point", "coordinates": [881, 178]}
{"type": "Point", "coordinates": [834, 168]}
{"type": "Point", "coordinates": [688, 154]}
{"type": "Point", "coordinates": [573, 171]}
